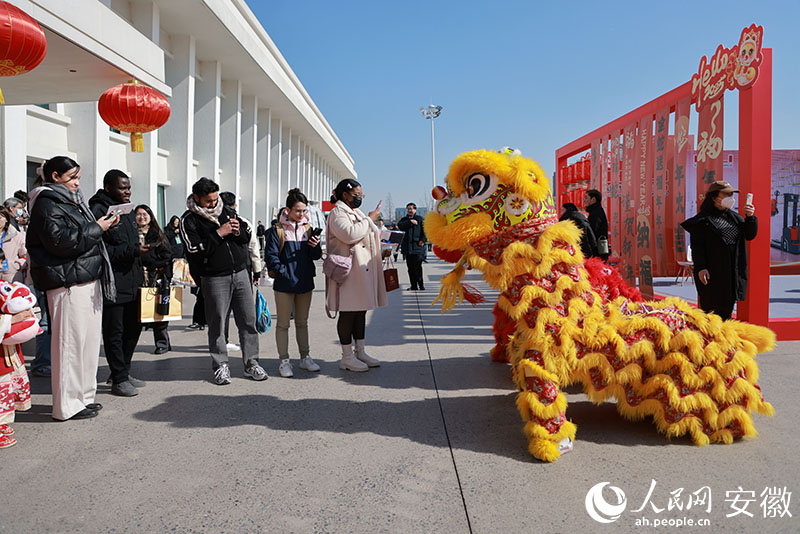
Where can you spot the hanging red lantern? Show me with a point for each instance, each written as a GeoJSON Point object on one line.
{"type": "Point", "coordinates": [22, 42]}
{"type": "Point", "coordinates": [134, 108]}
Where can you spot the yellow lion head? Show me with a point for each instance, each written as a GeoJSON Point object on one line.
{"type": "Point", "coordinates": [487, 192]}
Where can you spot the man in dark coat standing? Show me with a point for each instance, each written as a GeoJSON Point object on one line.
{"type": "Point", "coordinates": [719, 252]}
{"type": "Point", "coordinates": [121, 326]}
{"type": "Point", "coordinates": [413, 245]}
{"type": "Point", "coordinates": [569, 212]}
{"type": "Point", "coordinates": [597, 217]}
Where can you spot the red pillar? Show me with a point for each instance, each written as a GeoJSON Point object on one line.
{"type": "Point", "coordinates": [755, 176]}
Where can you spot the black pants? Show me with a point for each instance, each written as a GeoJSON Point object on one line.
{"type": "Point", "coordinates": [351, 325]}
{"type": "Point", "coordinates": [199, 312]}
{"type": "Point", "coordinates": [121, 330]}
{"type": "Point", "coordinates": [160, 335]}
{"type": "Point", "coordinates": [414, 262]}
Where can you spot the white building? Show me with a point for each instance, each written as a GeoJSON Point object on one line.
{"type": "Point", "coordinates": [239, 114]}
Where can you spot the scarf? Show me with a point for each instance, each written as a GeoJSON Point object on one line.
{"type": "Point", "coordinates": [212, 214]}
{"type": "Point", "coordinates": [76, 197]}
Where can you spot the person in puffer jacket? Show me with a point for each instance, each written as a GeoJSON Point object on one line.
{"type": "Point", "coordinates": [290, 253]}
{"type": "Point", "coordinates": [69, 261]}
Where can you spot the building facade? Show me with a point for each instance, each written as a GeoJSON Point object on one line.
{"type": "Point", "coordinates": [239, 114]}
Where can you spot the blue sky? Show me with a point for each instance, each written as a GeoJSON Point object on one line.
{"type": "Point", "coordinates": [533, 75]}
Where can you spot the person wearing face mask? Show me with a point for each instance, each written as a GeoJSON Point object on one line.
{"type": "Point", "coordinates": [717, 237]}
{"type": "Point", "coordinates": [351, 233]}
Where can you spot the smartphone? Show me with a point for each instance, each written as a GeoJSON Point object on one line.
{"type": "Point", "coordinates": [380, 203]}
{"type": "Point", "coordinates": [113, 214]}
{"type": "Point", "coordinates": [749, 201]}
{"type": "Point", "coordinates": [315, 232]}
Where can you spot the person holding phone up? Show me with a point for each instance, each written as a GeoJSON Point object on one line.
{"type": "Point", "coordinates": [351, 233]}
{"type": "Point", "coordinates": [291, 248]}
{"type": "Point", "coordinates": [717, 236]}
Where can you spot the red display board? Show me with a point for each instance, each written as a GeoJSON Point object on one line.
{"type": "Point", "coordinates": [649, 158]}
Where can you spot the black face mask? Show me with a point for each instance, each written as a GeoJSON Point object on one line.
{"type": "Point", "coordinates": [355, 203]}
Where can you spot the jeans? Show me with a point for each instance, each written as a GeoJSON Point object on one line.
{"type": "Point", "coordinates": [235, 292]}
{"type": "Point", "coordinates": [121, 330]}
{"type": "Point", "coordinates": [285, 303]}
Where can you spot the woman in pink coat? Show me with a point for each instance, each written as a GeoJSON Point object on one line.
{"type": "Point", "coordinates": [350, 232]}
{"type": "Point", "coordinates": [13, 247]}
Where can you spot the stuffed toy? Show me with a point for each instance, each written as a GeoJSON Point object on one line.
{"type": "Point", "coordinates": [16, 298]}
{"type": "Point", "coordinates": [561, 320]}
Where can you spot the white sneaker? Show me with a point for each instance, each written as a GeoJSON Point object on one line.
{"type": "Point", "coordinates": [308, 364]}
{"type": "Point", "coordinates": [233, 347]}
{"type": "Point", "coordinates": [285, 368]}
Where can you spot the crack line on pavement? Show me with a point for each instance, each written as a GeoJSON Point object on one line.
{"type": "Point", "coordinates": [441, 412]}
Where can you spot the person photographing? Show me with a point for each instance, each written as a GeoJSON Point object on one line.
{"type": "Point", "coordinates": [718, 238]}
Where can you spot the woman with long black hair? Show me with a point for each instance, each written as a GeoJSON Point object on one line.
{"type": "Point", "coordinates": [69, 261]}
{"type": "Point", "coordinates": [157, 262]}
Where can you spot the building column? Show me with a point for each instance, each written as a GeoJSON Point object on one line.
{"type": "Point", "coordinates": [277, 166]}
{"type": "Point", "coordinates": [246, 196]}
{"type": "Point", "coordinates": [177, 135]}
{"type": "Point", "coordinates": [264, 166]}
{"type": "Point", "coordinates": [286, 171]}
{"type": "Point", "coordinates": [230, 131]}
{"type": "Point", "coordinates": [208, 96]}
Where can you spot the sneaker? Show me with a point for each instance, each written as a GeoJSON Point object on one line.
{"type": "Point", "coordinates": [222, 376]}
{"type": "Point", "coordinates": [136, 382]}
{"type": "Point", "coordinates": [233, 347]}
{"type": "Point", "coordinates": [285, 368]}
{"type": "Point", "coordinates": [256, 372]}
{"type": "Point", "coordinates": [124, 389]}
{"type": "Point", "coordinates": [6, 430]}
{"type": "Point", "coordinates": [196, 326]}
{"type": "Point", "coordinates": [308, 364]}
{"type": "Point", "coordinates": [7, 441]}
{"type": "Point", "coordinates": [44, 371]}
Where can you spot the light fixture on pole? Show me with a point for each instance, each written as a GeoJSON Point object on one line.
{"type": "Point", "coordinates": [431, 113]}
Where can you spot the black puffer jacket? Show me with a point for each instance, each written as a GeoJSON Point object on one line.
{"type": "Point", "coordinates": [64, 244]}
{"type": "Point", "coordinates": [158, 260]}
{"type": "Point", "coordinates": [208, 253]}
{"type": "Point", "coordinates": [122, 244]}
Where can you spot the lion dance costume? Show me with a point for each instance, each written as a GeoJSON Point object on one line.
{"type": "Point", "coordinates": [561, 320]}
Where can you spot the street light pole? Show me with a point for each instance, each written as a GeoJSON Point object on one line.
{"type": "Point", "coordinates": [431, 113]}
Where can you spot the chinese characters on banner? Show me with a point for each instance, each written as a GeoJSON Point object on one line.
{"type": "Point", "coordinates": [709, 146]}
{"type": "Point", "coordinates": [644, 206]}
{"type": "Point", "coordinates": [615, 187]}
{"type": "Point", "coordinates": [677, 208]}
{"type": "Point", "coordinates": [660, 191]}
{"type": "Point", "coordinates": [627, 204]}
{"type": "Point", "coordinates": [595, 166]}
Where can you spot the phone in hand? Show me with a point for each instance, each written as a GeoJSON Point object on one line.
{"type": "Point", "coordinates": [378, 207]}
{"type": "Point", "coordinates": [315, 232]}
{"type": "Point", "coordinates": [749, 201]}
{"type": "Point", "coordinates": [113, 214]}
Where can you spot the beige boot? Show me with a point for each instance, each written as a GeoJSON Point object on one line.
{"type": "Point", "coordinates": [361, 354]}
{"type": "Point", "coordinates": [349, 362]}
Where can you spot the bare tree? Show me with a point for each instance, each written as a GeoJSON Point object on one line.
{"type": "Point", "coordinates": [387, 212]}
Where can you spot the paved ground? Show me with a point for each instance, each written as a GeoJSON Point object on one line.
{"type": "Point", "coordinates": [429, 442]}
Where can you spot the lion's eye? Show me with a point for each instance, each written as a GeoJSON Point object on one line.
{"type": "Point", "coordinates": [477, 184]}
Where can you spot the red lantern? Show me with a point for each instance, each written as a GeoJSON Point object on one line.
{"type": "Point", "coordinates": [134, 108]}
{"type": "Point", "coordinates": [22, 42]}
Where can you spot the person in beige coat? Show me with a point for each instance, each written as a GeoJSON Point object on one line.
{"type": "Point", "coordinates": [351, 232]}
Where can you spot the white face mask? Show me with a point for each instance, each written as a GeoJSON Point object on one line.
{"type": "Point", "coordinates": [727, 203]}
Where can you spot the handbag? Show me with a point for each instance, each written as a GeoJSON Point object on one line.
{"type": "Point", "coordinates": [148, 299]}
{"type": "Point", "coordinates": [390, 277]}
{"type": "Point", "coordinates": [263, 318]}
{"type": "Point", "coordinates": [337, 268]}
{"type": "Point", "coordinates": [602, 246]}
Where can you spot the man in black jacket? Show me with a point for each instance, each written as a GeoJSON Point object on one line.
{"type": "Point", "coordinates": [413, 245]}
{"type": "Point", "coordinates": [121, 326]}
{"type": "Point", "coordinates": [216, 242]}
{"type": "Point", "coordinates": [597, 217]}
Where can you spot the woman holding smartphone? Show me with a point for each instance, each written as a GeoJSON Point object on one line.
{"type": "Point", "coordinates": [291, 248]}
{"type": "Point", "coordinates": [352, 233]}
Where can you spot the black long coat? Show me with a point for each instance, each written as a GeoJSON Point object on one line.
{"type": "Point", "coordinates": [728, 273]}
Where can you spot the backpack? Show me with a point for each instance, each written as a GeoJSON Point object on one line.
{"type": "Point", "coordinates": [282, 239]}
{"type": "Point", "coordinates": [263, 318]}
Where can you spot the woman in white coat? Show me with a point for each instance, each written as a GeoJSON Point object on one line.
{"type": "Point", "coordinates": [352, 232]}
